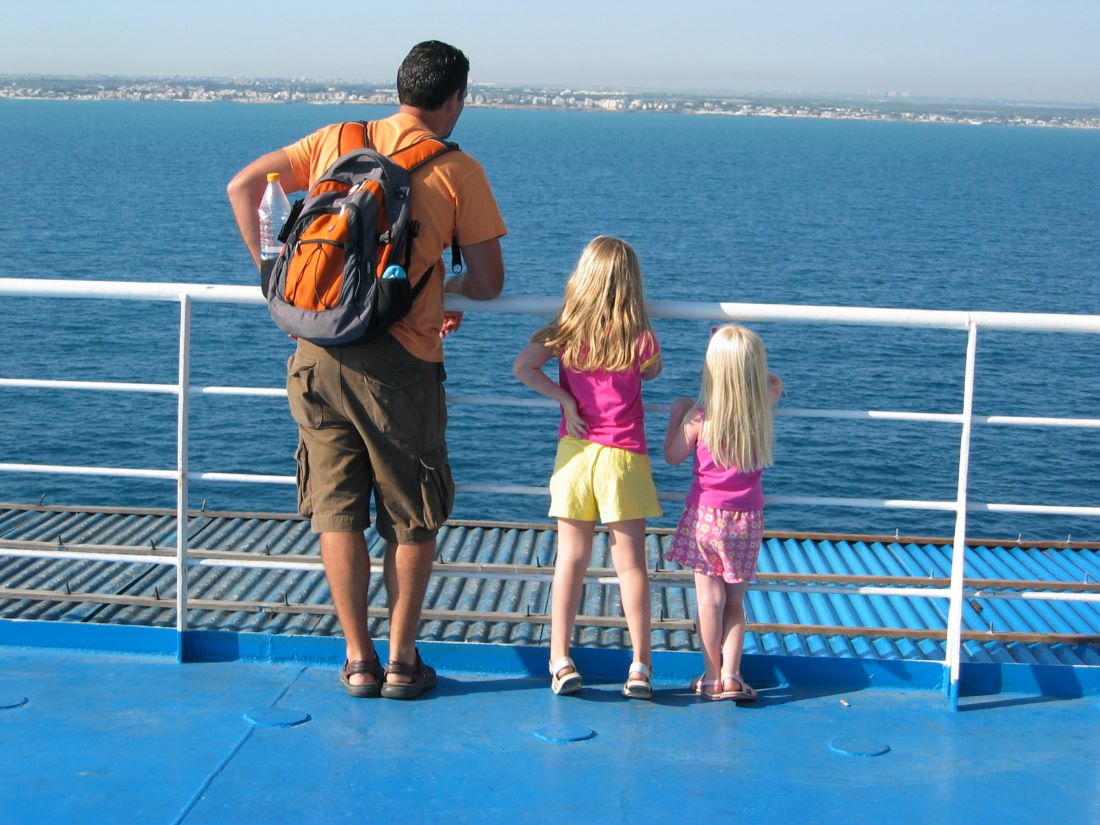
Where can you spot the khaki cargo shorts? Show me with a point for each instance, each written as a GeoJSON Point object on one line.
{"type": "Point", "coordinates": [371, 419]}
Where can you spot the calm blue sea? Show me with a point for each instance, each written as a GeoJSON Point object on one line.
{"type": "Point", "coordinates": [733, 209]}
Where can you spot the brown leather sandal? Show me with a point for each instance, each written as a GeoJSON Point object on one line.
{"type": "Point", "coordinates": [423, 678]}
{"type": "Point", "coordinates": [371, 690]}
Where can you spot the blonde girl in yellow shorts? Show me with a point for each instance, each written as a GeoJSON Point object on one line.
{"type": "Point", "coordinates": [605, 346]}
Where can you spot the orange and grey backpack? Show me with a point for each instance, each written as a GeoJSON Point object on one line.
{"type": "Point", "coordinates": [343, 273]}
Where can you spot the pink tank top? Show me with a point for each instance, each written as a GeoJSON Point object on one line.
{"type": "Point", "coordinates": [725, 488]}
{"type": "Point", "coordinates": [611, 402]}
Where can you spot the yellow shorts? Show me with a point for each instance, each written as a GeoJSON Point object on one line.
{"type": "Point", "coordinates": [592, 482]}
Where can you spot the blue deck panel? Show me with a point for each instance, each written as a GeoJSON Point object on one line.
{"type": "Point", "coordinates": [100, 722]}
{"type": "Point", "coordinates": [108, 738]}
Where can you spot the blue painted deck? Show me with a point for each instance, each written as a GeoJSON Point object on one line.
{"type": "Point", "coordinates": [101, 723]}
{"type": "Point", "coordinates": [110, 738]}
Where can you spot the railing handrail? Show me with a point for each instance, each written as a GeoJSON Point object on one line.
{"type": "Point", "coordinates": [536, 304]}
{"type": "Point", "coordinates": [970, 321]}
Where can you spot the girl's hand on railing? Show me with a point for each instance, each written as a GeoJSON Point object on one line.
{"type": "Point", "coordinates": [678, 409]}
{"type": "Point", "coordinates": [775, 388]}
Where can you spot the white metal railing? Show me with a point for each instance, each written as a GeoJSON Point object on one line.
{"type": "Point", "coordinates": [971, 322]}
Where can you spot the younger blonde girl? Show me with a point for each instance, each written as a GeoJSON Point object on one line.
{"type": "Point", "coordinates": [729, 430]}
{"type": "Point", "coordinates": [605, 346]}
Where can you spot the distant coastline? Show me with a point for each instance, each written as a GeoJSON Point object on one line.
{"type": "Point", "coordinates": [889, 107]}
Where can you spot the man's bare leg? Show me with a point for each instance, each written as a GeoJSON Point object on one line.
{"type": "Point", "coordinates": [347, 568]}
{"type": "Point", "coordinates": [406, 570]}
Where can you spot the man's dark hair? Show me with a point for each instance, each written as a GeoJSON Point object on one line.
{"type": "Point", "coordinates": [430, 74]}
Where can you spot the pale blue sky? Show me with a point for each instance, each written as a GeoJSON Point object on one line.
{"type": "Point", "coordinates": [1044, 50]}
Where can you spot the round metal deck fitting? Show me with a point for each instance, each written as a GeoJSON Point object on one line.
{"type": "Point", "coordinates": [858, 747]}
{"type": "Point", "coordinates": [564, 734]}
{"type": "Point", "coordinates": [13, 701]}
{"type": "Point", "coordinates": [276, 717]}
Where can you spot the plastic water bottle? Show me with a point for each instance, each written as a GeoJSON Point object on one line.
{"type": "Point", "coordinates": [274, 210]}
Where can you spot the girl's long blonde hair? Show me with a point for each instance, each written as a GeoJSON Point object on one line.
{"type": "Point", "coordinates": [734, 396]}
{"type": "Point", "coordinates": [603, 311]}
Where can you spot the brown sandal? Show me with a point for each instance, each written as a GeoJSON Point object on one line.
{"type": "Point", "coordinates": [423, 678]}
{"type": "Point", "coordinates": [371, 690]}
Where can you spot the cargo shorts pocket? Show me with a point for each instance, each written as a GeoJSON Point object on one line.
{"type": "Point", "coordinates": [301, 458]}
{"type": "Point", "coordinates": [305, 404]}
{"type": "Point", "coordinates": [437, 490]}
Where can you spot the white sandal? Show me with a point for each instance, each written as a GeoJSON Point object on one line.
{"type": "Point", "coordinates": [744, 693]}
{"type": "Point", "coordinates": [638, 688]}
{"type": "Point", "coordinates": [700, 686]}
{"type": "Point", "coordinates": [569, 682]}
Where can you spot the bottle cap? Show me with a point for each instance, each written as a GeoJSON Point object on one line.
{"type": "Point", "coordinates": [272, 176]}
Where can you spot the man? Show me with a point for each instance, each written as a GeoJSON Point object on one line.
{"type": "Point", "coordinates": [371, 416]}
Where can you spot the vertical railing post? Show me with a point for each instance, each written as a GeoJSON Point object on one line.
{"type": "Point", "coordinates": [958, 549]}
{"type": "Point", "coordinates": [182, 433]}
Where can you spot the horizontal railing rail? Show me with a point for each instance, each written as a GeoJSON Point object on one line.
{"type": "Point", "coordinates": [957, 587]}
{"type": "Point", "coordinates": [542, 305]}
{"type": "Point", "coordinates": [830, 584]}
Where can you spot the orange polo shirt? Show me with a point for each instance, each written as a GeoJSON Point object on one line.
{"type": "Point", "coordinates": [450, 198]}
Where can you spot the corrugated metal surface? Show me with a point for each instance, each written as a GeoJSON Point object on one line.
{"type": "Point", "coordinates": [282, 591]}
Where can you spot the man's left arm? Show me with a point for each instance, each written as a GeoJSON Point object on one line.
{"type": "Point", "coordinates": [247, 188]}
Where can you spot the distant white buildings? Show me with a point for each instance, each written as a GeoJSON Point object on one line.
{"type": "Point", "coordinates": [493, 95]}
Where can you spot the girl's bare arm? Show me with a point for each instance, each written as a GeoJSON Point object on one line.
{"type": "Point", "coordinates": [682, 432]}
{"type": "Point", "coordinates": [528, 369]}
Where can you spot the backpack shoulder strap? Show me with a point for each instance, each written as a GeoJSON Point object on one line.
{"type": "Point", "coordinates": [417, 154]}
{"type": "Point", "coordinates": [352, 136]}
